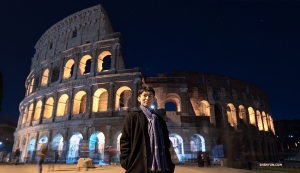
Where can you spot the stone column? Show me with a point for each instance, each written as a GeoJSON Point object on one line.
{"type": "Point", "coordinates": [26, 145]}
{"type": "Point", "coordinates": [135, 93]}
{"type": "Point", "coordinates": [84, 153]}
{"type": "Point", "coordinates": [35, 145]}
{"type": "Point", "coordinates": [33, 111]}
{"type": "Point", "coordinates": [115, 56]}
{"type": "Point", "coordinates": [50, 74]}
{"type": "Point", "coordinates": [93, 63]}
{"type": "Point", "coordinates": [76, 65]}
{"type": "Point", "coordinates": [89, 102]}
{"type": "Point", "coordinates": [108, 140]}
{"type": "Point", "coordinates": [90, 105]}
{"type": "Point", "coordinates": [54, 106]}
{"type": "Point", "coordinates": [70, 103]}
{"type": "Point", "coordinates": [185, 101]}
{"type": "Point", "coordinates": [42, 110]}
{"type": "Point", "coordinates": [111, 98]}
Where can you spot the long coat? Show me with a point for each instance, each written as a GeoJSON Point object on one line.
{"type": "Point", "coordinates": [135, 146]}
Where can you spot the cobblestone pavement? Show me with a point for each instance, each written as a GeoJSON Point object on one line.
{"type": "Point", "coordinates": [63, 168]}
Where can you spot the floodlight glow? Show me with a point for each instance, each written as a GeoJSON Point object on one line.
{"type": "Point", "coordinates": [152, 106]}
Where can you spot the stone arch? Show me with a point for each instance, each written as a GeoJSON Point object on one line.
{"type": "Point", "coordinates": [62, 105]}
{"type": "Point", "coordinates": [251, 116]}
{"type": "Point", "coordinates": [43, 139]}
{"type": "Point", "coordinates": [68, 69]}
{"type": "Point", "coordinates": [79, 105]}
{"type": "Point", "coordinates": [37, 111]}
{"type": "Point", "coordinates": [25, 113]}
{"type": "Point", "coordinates": [22, 147]}
{"type": "Point", "coordinates": [242, 113]}
{"type": "Point", "coordinates": [31, 85]}
{"type": "Point", "coordinates": [197, 143]}
{"type": "Point", "coordinates": [100, 100]}
{"type": "Point", "coordinates": [177, 144]}
{"type": "Point", "coordinates": [55, 74]}
{"type": "Point", "coordinates": [123, 98]}
{"type": "Point", "coordinates": [97, 145]}
{"type": "Point", "coordinates": [36, 82]}
{"type": "Point", "coordinates": [104, 55]}
{"type": "Point", "coordinates": [30, 111]}
{"type": "Point", "coordinates": [204, 108]}
{"type": "Point", "coordinates": [265, 124]}
{"type": "Point", "coordinates": [31, 149]}
{"type": "Point", "coordinates": [259, 121]}
{"type": "Point", "coordinates": [74, 147]}
{"type": "Point", "coordinates": [218, 115]}
{"type": "Point", "coordinates": [231, 113]}
{"type": "Point", "coordinates": [58, 143]}
{"type": "Point", "coordinates": [82, 64]}
{"type": "Point", "coordinates": [175, 98]}
{"type": "Point", "coordinates": [45, 77]}
{"type": "Point", "coordinates": [48, 108]}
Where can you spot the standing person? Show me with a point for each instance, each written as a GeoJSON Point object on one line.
{"type": "Point", "coordinates": [41, 155]}
{"type": "Point", "coordinates": [199, 159]}
{"type": "Point", "coordinates": [56, 157]}
{"type": "Point", "coordinates": [144, 144]}
{"type": "Point", "coordinates": [17, 155]}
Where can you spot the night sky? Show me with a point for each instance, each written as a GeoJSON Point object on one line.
{"type": "Point", "coordinates": [258, 42]}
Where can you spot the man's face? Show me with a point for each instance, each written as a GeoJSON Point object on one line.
{"type": "Point", "coordinates": [146, 99]}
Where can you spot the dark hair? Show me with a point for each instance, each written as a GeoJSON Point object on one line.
{"type": "Point", "coordinates": [146, 89]}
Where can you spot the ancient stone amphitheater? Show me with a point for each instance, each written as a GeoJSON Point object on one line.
{"type": "Point", "coordinates": [79, 91]}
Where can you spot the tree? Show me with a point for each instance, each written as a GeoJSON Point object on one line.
{"type": "Point", "coordinates": [1, 89]}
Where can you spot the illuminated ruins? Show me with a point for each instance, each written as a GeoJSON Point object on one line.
{"type": "Point", "coordinates": [79, 91]}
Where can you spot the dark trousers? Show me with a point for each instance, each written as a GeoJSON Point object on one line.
{"type": "Point", "coordinates": [39, 164]}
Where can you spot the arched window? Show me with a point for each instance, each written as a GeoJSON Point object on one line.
{"type": "Point", "coordinates": [25, 113]}
{"type": "Point", "coordinates": [104, 61]}
{"type": "Point", "coordinates": [174, 98]}
{"type": "Point", "coordinates": [204, 108]}
{"type": "Point", "coordinates": [100, 100]}
{"type": "Point", "coordinates": [55, 74]}
{"type": "Point", "coordinates": [265, 121]}
{"type": "Point", "coordinates": [30, 112]}
{"type": "Point", "coordinates": [68, 69]}
{"type": "Point", "coordinates": [82, 64]}
{"type": "Point", "coordinates": [37, 111]}
{"type": "Point", "coordinates": [62, 105]}
{"type": "Point", "coordinates": [231, 113]}
{"type": "Point", "coordinates": [242, 114]}
{"type": "Point", "coordinates": [251, 116]}
{"type": "Point", "coordinates": [45, 77]}
{"type": "Point", "coordinates": [259, 121]}
{"type": "Point", "coordinates": [79, 102]}
{"type": "Point", "coordinates": [123, 98]}
{"type": "Point", "coordinates": [48, 108]}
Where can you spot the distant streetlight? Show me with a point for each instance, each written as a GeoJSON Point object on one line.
{"type": "Point", "coordinates": [0, 143]}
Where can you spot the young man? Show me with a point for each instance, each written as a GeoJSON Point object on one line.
{"type": "Point", "coordinates": [145, 143]}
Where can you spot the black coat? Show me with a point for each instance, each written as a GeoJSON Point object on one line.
{"type": "Point", "coordinates": [135, 146]}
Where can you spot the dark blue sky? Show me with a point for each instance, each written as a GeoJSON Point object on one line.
{"type": "Point", "coordinates": [255, 41]}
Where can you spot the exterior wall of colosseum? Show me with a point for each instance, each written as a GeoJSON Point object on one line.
{"type": "Point", "coordinates": [79, 91]}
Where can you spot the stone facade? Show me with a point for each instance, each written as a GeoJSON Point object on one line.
{"type": "Point", "coordinates": [79, 90]}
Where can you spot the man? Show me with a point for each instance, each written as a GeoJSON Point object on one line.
{"type": "Point", "coordinates": [145, 143]}
{"type": "Point", "coordinates": [17, 156]}
{"type": "Point", "coordinates": [41, 154]}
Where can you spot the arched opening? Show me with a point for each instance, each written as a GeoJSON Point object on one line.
{"type": "Point", "coordinates": [82, 65]}
{"type": "Point", "coordinates": [218, 116]}
{"type": "Point", "coordinates": [204, 108]}
{"type": "Point", "coordinates": [31, 150]}
{"type": "Point", "coordinates": [170, 106]}
{"type": "Point", "coordinates": [242, 114]}
{"type": "Point", "coordinates": [251, 116]}
{"type": "Point", "coordinates": [197, 144]}
{"type": "Point", "coordinates": [174, 98]}
{"type": "Point", "coordinates": [30, 112]}
{"type": "Point", "coordinates": [265, 121]}
{"type": "Point", "coordinates": [87, 69]}
{"type": "Point", "coordinates": [118, 143]}
{"type": "Point", "coordinates": [62, 105]}
{"type": "Point", "coordinates": [43, 139]}
{"type": "Point", "coordinates": [48, 108]}
{"type": "Point", "coordinates": [231, 113]}
{"type": "Point", "coordinates": [100, 100]}
{"type": "Point", "coordinates": [123, 98]}
{"type": "Point", "coordinates": [36, 83]}
{"type": "Point", "coordinates": [31, 85]}
{"type": "Point", "coordinates": [45, 77]}
{"type": "Point", "coordinates": [259, 121]}
{"type": "Point", "coordinates": [68, 69]}
{"type": "Point", "coordinates": [37, 111]}
{"type": "Point", "coordinates": [79, 102]}
{"type": "Point", "coordinates": [96, 146]}
{"type": "Point", "coordinates": [55, 74]}
{"type": "Point", "coordinates": [104, 61]}
{"type": "Point", "coordinates": [177, 144]}
{"type": "Point", "coordinates": [74, 148]}
{"type": "Point", "coordinates": [25, 113]}
{"type": "Point", "coordinates": [58, 143]}
{"type": "Point", "coordinates": [218, 151]}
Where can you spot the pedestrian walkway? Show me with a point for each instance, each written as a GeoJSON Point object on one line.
{"type": "Point", "coordinates": [64, 168]}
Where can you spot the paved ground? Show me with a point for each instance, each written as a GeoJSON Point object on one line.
{"type": "Point", "coordinates": [63, 168]}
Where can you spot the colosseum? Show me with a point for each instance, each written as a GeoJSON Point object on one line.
{"type": "Point", "coordinates": [79, 90]}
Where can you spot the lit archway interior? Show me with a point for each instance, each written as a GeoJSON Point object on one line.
{"type": "Point", "coordinates": [242, 114]}
{"type": "Point", "coordinates": [62, 105]}
{"type": "Point", "coordinates": [259, 121]}
{"type": "Point", "coordinates": [231, 113]}
{"type": "Point", "coordinates": [68, 69]}
{"type": "Point", "coordinates": [48, 108]}
{"type": "Point", "coordinates": [82, 64]}
{"type": "Point", "coordinates": [123, 98]}
{"type": "Point", "coordinates": [74, 147]}
{"type": "Point", "coordinates": [37, 111]}
{"type": "Point", "coordinates": [24, 115]}
{"type": "Point", "coordinates": [43, 139]}
{"type": "Point", "coordinates": [58, 143]}
{"type": "Point", "coordinates": [100, 100]}
{"type": "Point", "coordinates": [97, 145]}
{"type": "Point", "coordinates": [104, 61]}
{"type": "Point", "coordinates": [31, 149]}
{"type": "Point", "coordinates": [79, 102]}
{"type": "Point", "coordinates": [204, 108]}
{"type": "Point", "coordinates": [197, 143]}
{"type": "Point", "coordinates": [177, 144]}
{"type": "Point", "coordinates": [265, 121]}
{"type": "Point", "coordinates": [251, 116]}
{"type": "Point", "coordinates": [45, 77]}
{"type": "Point", "coordinates": [173, 97]}
{"type": "Point", "coordinates": [30, 112]}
